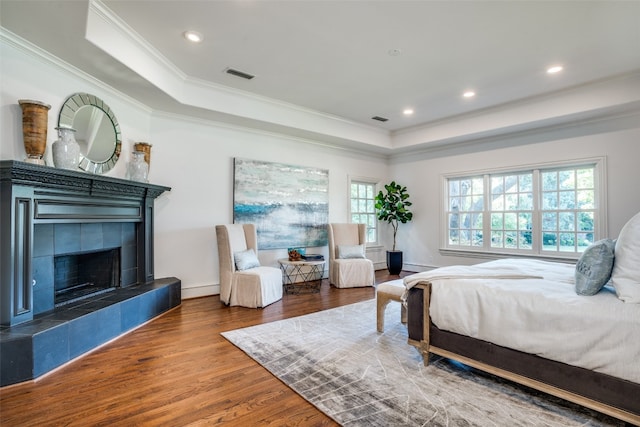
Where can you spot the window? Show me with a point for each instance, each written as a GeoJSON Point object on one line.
{"type": "Point", "coordinates": [362, 202]}
{"type": "Point", "coordinates": [548, 211]}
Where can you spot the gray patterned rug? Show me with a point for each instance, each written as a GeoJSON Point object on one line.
{"type": "Point", "coordinates": [336, 360]}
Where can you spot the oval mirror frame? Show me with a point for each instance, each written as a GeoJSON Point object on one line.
{"type": "Point", "coordinates": [107, 136]}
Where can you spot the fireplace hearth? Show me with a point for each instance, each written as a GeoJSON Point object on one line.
{"type": "Point", "coordinates": [76, 265]}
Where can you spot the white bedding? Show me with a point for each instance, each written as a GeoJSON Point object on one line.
{"type": "Point", "coordinates": [532, 306]}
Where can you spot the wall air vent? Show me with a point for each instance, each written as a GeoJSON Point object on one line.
{"type": "Point", "coordinates": [239, 73]}
{"type": "Point", "coordinates": [380, 119]}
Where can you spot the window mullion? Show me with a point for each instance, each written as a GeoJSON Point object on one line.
{"type": "Point", "coordinates": [486, 213]}
{"type": "Point", "coordinates": [536, 220]}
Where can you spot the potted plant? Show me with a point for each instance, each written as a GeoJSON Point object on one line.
{"type": "Point", "coordinates": [392, 207]}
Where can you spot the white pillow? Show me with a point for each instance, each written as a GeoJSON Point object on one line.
{"type": "Point", "coordinates": [625, 276]}
{"type": "Point", "coordinates": [246, 259]}
{"type": "Point", "coordinates": [350, 251]}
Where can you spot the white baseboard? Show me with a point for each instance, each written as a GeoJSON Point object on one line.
{"type": "Point", "coordinates": [209, 290]}
{"type": "Point", "coordinates": [381, 265]}
{"type": "Point", "coordinates": [200, 291]}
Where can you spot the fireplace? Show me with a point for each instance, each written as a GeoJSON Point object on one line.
{"type": "Point", "coordinates": [76, 265]}
{"type": "Point", "coordinates": [73, 261]}
{"type": "Point", "coordinates": [80, 276]}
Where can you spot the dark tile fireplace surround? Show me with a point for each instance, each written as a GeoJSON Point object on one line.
{"type": "Point", "coordinates": [76, 266]}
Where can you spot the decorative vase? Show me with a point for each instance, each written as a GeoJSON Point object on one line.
{"type": "Point", "coordinates": [394, 262]}
{"type": "Point", "coordinates": [34, 129]}
{"type": "Point", "coordinates": [145, 147]}
{"type": "Point", "coordinates": [66, 151]}
{"type": "Point", "coordinates": [138, 169]}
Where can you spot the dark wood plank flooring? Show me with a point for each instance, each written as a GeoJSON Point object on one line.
{"type": "Point", "coordinates": [177, 370]}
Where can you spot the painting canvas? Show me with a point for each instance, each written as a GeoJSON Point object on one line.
{"type": "Point", "coordinates": [289, 204]}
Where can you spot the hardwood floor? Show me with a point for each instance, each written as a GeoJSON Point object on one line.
{"type": "Point", "coordinates": [177, 370]}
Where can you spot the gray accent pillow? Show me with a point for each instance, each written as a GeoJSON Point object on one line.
{"type": "Point", "coordinates": [246, 259]}
{"type": "Point", "coordinates": [350, 251]}
{"type": "Point", "coordinates": [593, 269]}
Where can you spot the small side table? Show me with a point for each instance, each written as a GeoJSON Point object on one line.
{"type": "Point", "coordinates": [310, 273]}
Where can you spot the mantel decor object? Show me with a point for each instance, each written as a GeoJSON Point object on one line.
{"type": "Point", "coordinates": [138, 169]}
{"type": "Point", "coordinates": [97, 131]}
{"type": "Point", "coordinates": [66, 150]}
{"type": "Point", "coordinates": [35, 116]}
{"type": "Point", "coordinates": [145, 147]}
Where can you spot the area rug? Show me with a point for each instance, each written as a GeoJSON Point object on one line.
{"type": "Point", "coordinates": [337, 360]}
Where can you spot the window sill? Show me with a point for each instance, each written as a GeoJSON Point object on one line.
{"type": "Point", "coordinates": [569, 259]}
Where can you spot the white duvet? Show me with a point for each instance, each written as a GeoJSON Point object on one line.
{"type": "Point", "coordinates": [532, 306]}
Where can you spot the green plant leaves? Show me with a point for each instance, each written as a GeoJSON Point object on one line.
{"type": "Point", "coordinates": [392, 206]}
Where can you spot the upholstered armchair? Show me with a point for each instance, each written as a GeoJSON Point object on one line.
{"type": "Point", "coordinates": [243, 281]}
{"type": "Point", "coordinates": [348, 267]}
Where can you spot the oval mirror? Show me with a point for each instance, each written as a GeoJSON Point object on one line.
{"type": "Point", "coordinates": [97, 131]}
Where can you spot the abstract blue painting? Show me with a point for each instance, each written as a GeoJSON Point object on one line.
{"type": "Point", "coordinates": [288, 204]}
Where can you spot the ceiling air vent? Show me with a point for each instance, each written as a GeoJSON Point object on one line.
{"type": "Point", "coordinates": [380, 119]}
{"type": "Point", "coordinates": [239, 73]}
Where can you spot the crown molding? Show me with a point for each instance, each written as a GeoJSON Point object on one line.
{"type": "Point", "coordinates": [100, 10]}
{"type": "Point", "coordinates": [108, 16]}
{"type": "Point", "coordinates": [106, 31]}
{"type": "Point", "coordinates": [35, 52]}
{"type": "Point", "coordinates": [608, 119]}
{"type": "Point", "coordinates": [523, 102]}
{"type": "Point", "coordinates": [360, 151]}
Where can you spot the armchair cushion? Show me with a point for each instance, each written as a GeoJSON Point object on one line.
{"type": "Point", "coordinates": [350, 251]}
{"type": "Point", "coordinates": [246, 259]}
{"type": "Point", "coordinates": [256, 287]}
{"type": "Point", "coordinates": [353, 272]}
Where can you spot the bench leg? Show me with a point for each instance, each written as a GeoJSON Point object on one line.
{"type": "Point", "coordinates": [382, 301]}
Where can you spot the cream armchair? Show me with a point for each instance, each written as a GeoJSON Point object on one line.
{"type": "Point", "coordinates": [348, 267]}
{"type": "Point", "coordinates": [243, 281]}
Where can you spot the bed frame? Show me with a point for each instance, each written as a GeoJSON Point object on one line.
{"type": "Point", "coordinates": [603, 393]}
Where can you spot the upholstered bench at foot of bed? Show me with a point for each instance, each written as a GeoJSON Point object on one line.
{"type": "Point", "coordinates": [389, 291]}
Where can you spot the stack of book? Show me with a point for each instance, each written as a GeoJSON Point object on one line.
{"type": "Point", "coordinates": [313, 257]}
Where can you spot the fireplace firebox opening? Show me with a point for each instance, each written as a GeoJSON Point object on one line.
{"type": "Point", "coordinates": [81, 275]}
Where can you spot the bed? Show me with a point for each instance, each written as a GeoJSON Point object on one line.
{"type": "Point", "coordinates": [524, 320]}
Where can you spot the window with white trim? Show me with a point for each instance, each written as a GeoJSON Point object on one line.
{"type": "Point", "coordinates": [362, 207]}
{"type": "Point", "coordinates": [549, 210]}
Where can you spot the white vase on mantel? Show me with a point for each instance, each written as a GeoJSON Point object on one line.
{"type": "Point", "coordinates": [66, 150]}
{"type": "Point", "coordinates": [138, 169]}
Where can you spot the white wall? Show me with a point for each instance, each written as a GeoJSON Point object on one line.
{"type": "Point", "coordinates": [196, 160]}
{"type": "Point", "coordinates": [193, 157]}
{"type": "Point", "coordinates": [616, 138]}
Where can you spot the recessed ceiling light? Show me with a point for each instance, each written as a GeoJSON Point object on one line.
{"type": "Point", "coordinates": [554, 69]}
{"type": "Point", "coordinates": [407, 111]}
{"type": "Point", "coordinates": [469, 94]}
{"type": "Point", "coordinates": [193, 36]}
{"type": "Point", "coordinates": [394, 52]}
